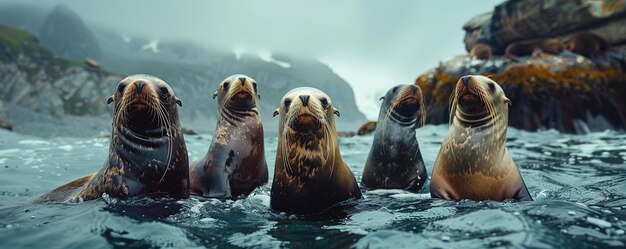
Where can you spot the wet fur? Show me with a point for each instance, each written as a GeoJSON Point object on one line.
{"type": "Point", "coordinates": [310, 176]}
{"type": "Point", "coordinates": [140, 162]}
{"type": "Point", "coordinates": [395, 160]}
{"type": "Point", "coordinates": [473, 162]}
{"type": "Point", "coordinates": [235, 164]}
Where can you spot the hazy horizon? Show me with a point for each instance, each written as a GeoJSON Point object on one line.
{"type": "Point", "coordinates": [373, 45]}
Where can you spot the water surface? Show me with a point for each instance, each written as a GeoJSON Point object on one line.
{"type": "Point", "coordinates": [577, 181]}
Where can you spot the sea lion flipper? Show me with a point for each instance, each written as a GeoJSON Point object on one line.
{"type": "Point", "coordinates": [63, 193]}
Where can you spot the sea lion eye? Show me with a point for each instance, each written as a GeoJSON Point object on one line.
{"type": "Point", "coordinates": [164, 90]}
{"type": "Point", "coordinates": [492, 86]}
{"type": "Point", "coordinates": [120, 87]}
{"type": "Point", "coordinates": [287, 103]}
{"type": "Point", "coordinates": [254, 86]}
{"type": "Point", "coordinates": [324, 102]}
{"type": "Point", "coordinates": [395, 89]}
{"type": "Point", "coordinates": [226, 84]}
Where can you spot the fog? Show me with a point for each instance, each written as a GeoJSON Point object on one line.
{"type": "Point", "coordinates": [372, 44]}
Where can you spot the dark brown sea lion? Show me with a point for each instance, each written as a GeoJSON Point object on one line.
{"type": "Point", "coordinates": [587, 44]}
{"type": "Point", "coordinates": [473, 162]}
{"type": "Point", "coordinates": [527, 48]}
{"type": "Point", "coordinates": [235, 163]}
{"type": "Point", "coordinates": [395, 160]}
{"type": "Point", "coordinates": [310, 176]}
{"type": "Point", "coordinates": [481, 51]}
{"type": "Point", "coordinates": [147, 153]}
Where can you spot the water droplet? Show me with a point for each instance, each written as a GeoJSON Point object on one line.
{"type": "Point", "coordinates": [571, 213]}
{"type": "Point", "coordinates": [445, 238]}
{"type": "Point", "coordinates": [32, 217]}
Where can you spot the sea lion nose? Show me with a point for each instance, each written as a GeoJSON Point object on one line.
{"type": "Point", "coordinates": [305, 99]}
{"type": "Point", "coordinates": [414, 88]}
{"type": "Point", "coordinates": [139, 85]}
{"type": "Point", "coordinates": [242, 80]}
{"type": "Point", "coordinates": [465, 79]}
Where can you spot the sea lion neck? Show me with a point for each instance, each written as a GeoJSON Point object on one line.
{"type": "Point", "coordinates": [236, 116]}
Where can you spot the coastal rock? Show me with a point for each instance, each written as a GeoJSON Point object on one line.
{"type": "Point", "coordinates": [5, 123]}
{"type": "Point", "coordinates": [563, 68]}
{"type": "Point", "coordinates": [566, 92]}
{"type": "Point", "coordinates": [35, 78]}
{"type": "Point", "coordinates": [531, 19]}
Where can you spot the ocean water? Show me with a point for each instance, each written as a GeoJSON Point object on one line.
{"type": "Point", "coordinates": [578, 183]}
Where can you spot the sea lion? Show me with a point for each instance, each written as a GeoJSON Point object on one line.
{"type": "Point", "coordinates": [587, 44]}
{"type": "Point", "coordinates": [310, 176]}
{"type": "Point", "coordinates": [235, 163]}
{"type": "Point", "coordinates": [367, 128]}
{"type": "Point", "coordinates": [473, 162]}
{"type": "Point", "coordinates": [395, 160]}
{"type": "Point", "coordinates": [147, 152]}
{"type": "Point", "coordinates": [481, 51]}
{"type": "Point", "coordinates": [528, 48]}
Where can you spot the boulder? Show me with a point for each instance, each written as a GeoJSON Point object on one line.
{"type": "Point", "coordinates": [532, 19]}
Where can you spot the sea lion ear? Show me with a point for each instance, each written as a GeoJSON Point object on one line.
{"type": "Point", "coordinates": [507, 101]}
{"type": "Point", "coordinates": [336, 112]}
{"type": "Point", "coordinates": [178, 102]}
{"type": "Point", "coordinates": [381, 98]}
{"type": "Point", "coordinates": [109, 100]}
{"type": "Point", "coordinates": [214, 94]}
{"type": "Point", "coordinates": [275, 113]}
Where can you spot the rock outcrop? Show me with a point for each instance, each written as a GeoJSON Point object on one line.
{"type": "Point", "coordinates": [65, 34]}
{"type": "Point", "coordinates": [577, 87]}
{"type": "Point", "coordinates": [33, 77]}
{"type": "Point", "coordinates": [516, 20]}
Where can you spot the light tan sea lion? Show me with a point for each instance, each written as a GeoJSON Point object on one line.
{"type": "Point", "coordinates": [473, 162]}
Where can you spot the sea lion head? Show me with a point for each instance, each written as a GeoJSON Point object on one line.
{"type": "Point", "coordinates": [238, 92]}
{"type": "Point", "coordinates": [306, 129]}
{"type": "Point", "coordinates": [145, 105]}
{"type": "Point", "coordinates": [404, 104]}
{"type": "Point", "coordinates": [478, 100]}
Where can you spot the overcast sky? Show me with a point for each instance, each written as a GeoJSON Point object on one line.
{"type": "Point", "coordinates": [373, 45]}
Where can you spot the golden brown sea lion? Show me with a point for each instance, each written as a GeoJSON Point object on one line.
{"type": "Point", "coordinates": [235, 163]}
{"type": "Point", "coordinates": [481, 51]}
{"type": "Point", "coordinates": [527, 48]}
{"type": "Point", "coordinates": [147, 153]}
{"type": "Point", "coordinates": [587, 44]}
{"type": "Point", "coordinates": [473, 162]}
{"type": "Point", "coordinates": [310, 176]}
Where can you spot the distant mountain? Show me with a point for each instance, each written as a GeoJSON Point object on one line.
{"type": "Point", "coordinates": [193, 71]}
{"type": "Point", "coordinates": [64, 32]}
{"type": "Point", "coordinates": [25, 17]}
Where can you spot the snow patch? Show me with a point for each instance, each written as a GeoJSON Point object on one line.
{"type": "Point", "coordinates": [267, 57]}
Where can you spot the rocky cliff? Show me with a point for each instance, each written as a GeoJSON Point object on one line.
{"type": "Point", "coordinates": [559, 61]}
{"type": "Point", "coordinates": [34, 77]}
